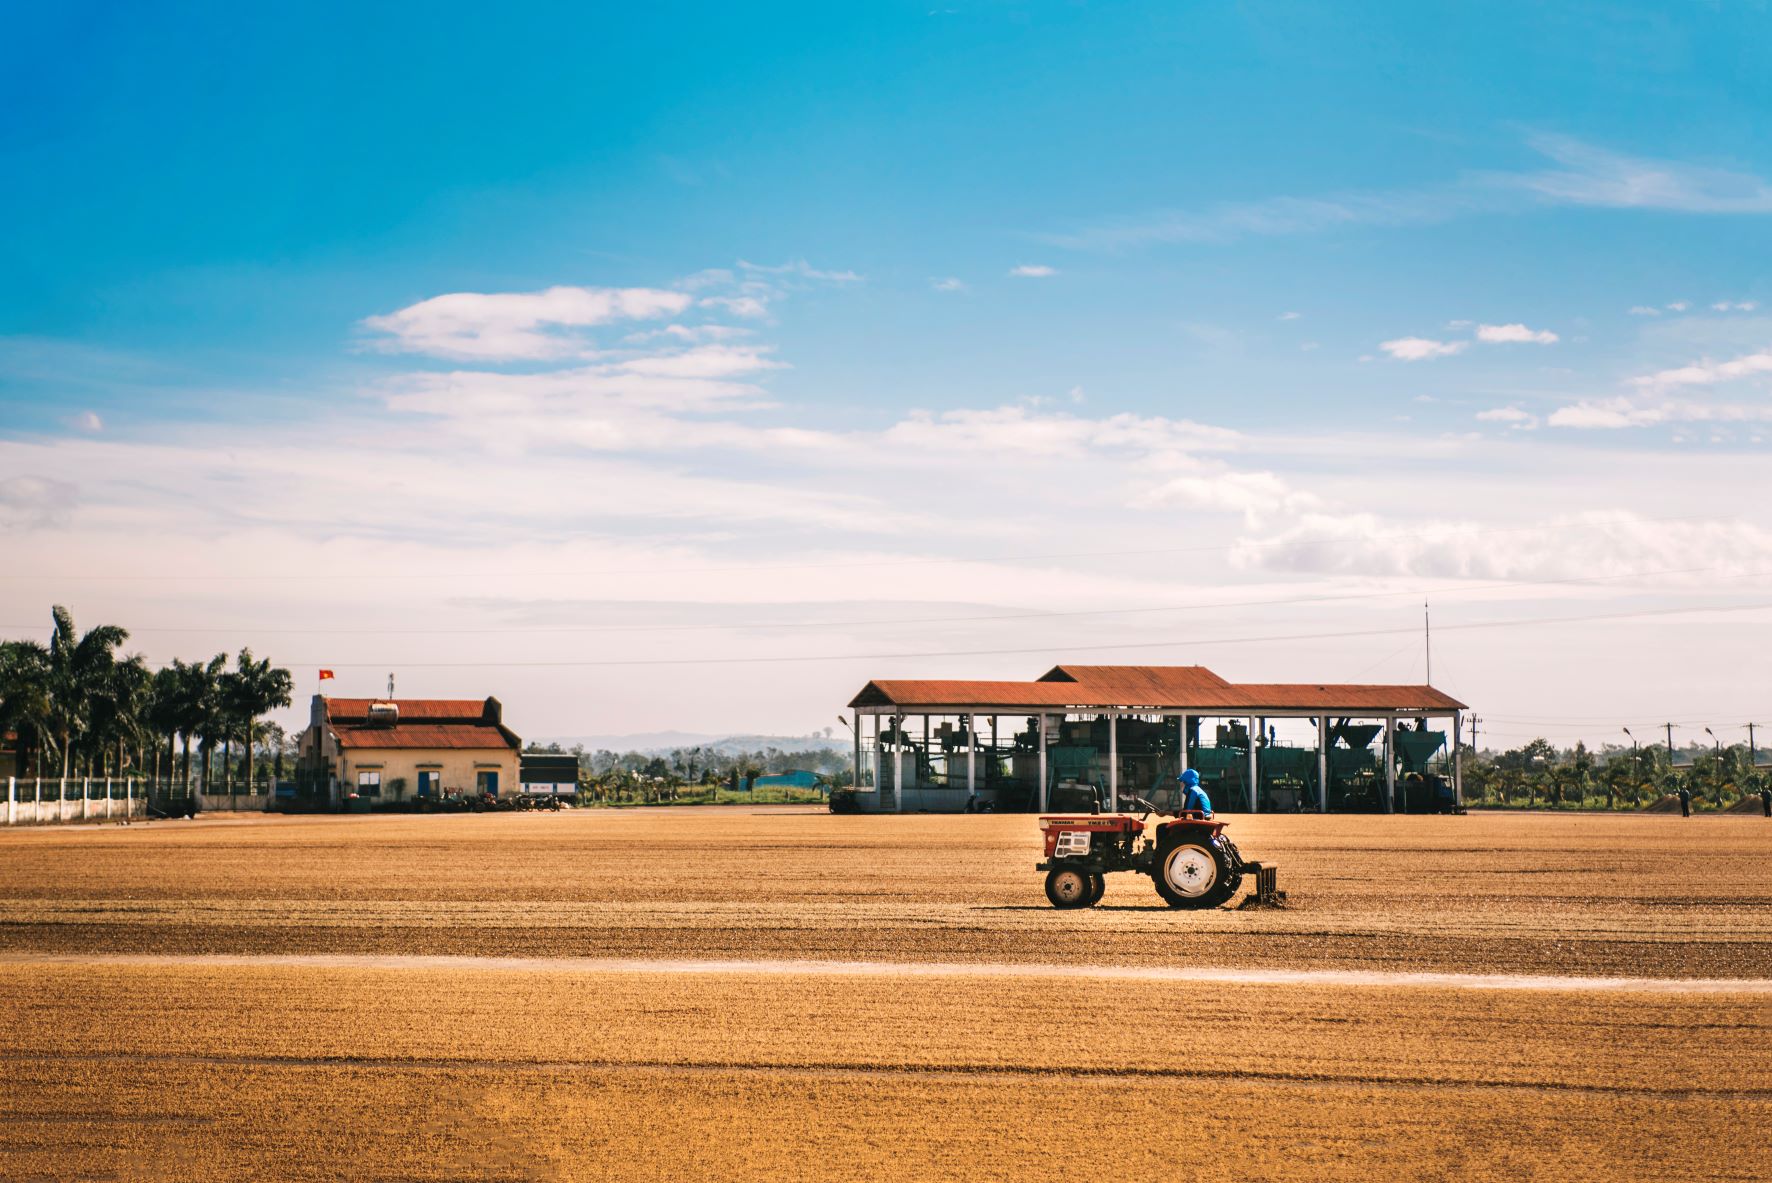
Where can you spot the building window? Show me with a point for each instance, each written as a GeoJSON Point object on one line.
{"type": "Point", "coordinates": [486, 782]}
{"type": "Point", "coordinates": [369, 784]}
{"type": "Point", "coordinates": [427, 784]}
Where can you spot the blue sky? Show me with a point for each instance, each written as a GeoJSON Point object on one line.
{"type": "Point", "coordinates": [1475, 292]}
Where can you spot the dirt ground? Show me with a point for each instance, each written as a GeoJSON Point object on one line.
{"type": "Point", "coordinates": [324, 998]}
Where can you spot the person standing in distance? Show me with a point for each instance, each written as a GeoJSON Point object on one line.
{"type": "Point", "coordinates": [1192, 795]}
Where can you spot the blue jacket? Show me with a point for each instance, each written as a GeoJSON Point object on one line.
{"type": "Point", "coordinates": [1195, 797]}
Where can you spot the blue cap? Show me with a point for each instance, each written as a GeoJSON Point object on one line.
{"type": "Point", "coordinates": [1190, 778]}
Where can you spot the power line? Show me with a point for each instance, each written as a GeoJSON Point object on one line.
{"type": "Point", "coordinates": [358, 577]}
{"type": "Point", "coordinates": [514, 630]}
{"type": "Point", "coordinates": [1063, 649]}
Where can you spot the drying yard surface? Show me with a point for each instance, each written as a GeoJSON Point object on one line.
{"type": "Point", "coordinates": [600, 995]}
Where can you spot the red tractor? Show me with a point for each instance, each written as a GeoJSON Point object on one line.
{"type": "Point", "coordinates": [1190, 860]}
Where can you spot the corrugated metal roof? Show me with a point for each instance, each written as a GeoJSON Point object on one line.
{"type": "Point", "coordinates": [1141, 683]}
{"type": "Point", "coordinates": [928, 693]}
{"type": "Point", "coordinates": [1189, 687]}
{"type": "Point", "coordinates": [1338, 698]}
{"type": "Point", "coordinates": [454, 736]}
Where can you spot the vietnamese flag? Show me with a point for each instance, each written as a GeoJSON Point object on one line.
{"type": "Point", "coordinates": [325, 674]}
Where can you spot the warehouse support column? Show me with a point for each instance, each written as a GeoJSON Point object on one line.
{"type": "Point", "coordinates": [107, 797]}
{"type": "Point", "coordinates": [856, 732]}
{"type": "Point", "coordinates": [1254, 770]}
{"type": "Point", "coordinates": [11, 798]}
{"type": "Point", "coordinates": [1322, 763]}
{"type": "Point", "coordinates": [1113, 762]}
{"type": "Point", "coordinates": [85, 798]}
{"type": "Point", "coordinates": [1182, 767]}
{"type": "Point", "coordinates": [971, 758]}
{"type": "Point", "coordinates": [1390, 763]}
{"type": "Point", "coordinates": [898, 746]}
{"type": "Point", "coordinates": [1042, 761]}
{"type": "Point", "coordinates": [1458, 758]}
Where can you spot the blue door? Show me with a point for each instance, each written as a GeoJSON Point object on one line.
{"type": "Point", "coordinates": [487, 781]}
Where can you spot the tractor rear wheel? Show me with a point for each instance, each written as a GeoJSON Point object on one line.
{"type": "Point", "coordinates": [1097, 886]}
{"type": "Point", "coordinates": [1194, 875]}
{"type": "Point", "coordinates": [1067, 888]}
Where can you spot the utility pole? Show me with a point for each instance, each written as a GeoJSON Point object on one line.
{"type": "Point", "coordinates": [1474, 722]}
{"type": "Point", "coordinates": [1670, 745]}
{"type": "Point", "coordinates": [1427, 633]}
{"type": "Point", "coordinates": [1753, 759]}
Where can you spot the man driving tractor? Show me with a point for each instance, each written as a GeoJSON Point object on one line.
{"type": "Point", "coordinates": [1192, 795]}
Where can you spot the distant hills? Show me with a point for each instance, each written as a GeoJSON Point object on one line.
{"type": "Point", "coordinates": [727, 745]}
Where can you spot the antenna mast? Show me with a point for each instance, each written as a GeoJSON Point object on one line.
{"type": "Point", "coordinates": [390, 687]}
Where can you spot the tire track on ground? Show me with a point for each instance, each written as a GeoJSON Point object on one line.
{"type": "Point", "coordinates": [849, 1069]}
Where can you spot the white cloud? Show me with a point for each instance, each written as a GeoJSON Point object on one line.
{"type": "Point", "coordinates": [1707, 373]}
{"type": "Point", "coordinates": [1738, 306]}
{"type": "Point", "coordinates": [30, 501]}
{"type": "Point", "coordinates": [88, 421]}
{"type": "Point", "coordinates": [753, 307]}
{"type": "Point", "coordinates": [1586, 176]}
{"type": "Point", "coordinates": [508, 326]}
{"type": "Point", "coordinates": [1019, 431]}
{"type": "Point", "coordinates": [949, 284]}
{"type": "Point", "coordinates": [1597, 177]}
{"type": "Point", "coordinates": [1289, 315]}
{"type": "Point", "coordinates": [1421, 348]}
{"type": "Point", "coordinates": [704, 361]}
{"type": "Point", "coordinates": [1514, 333]}
{"type": "Point", "coordinates": [708, 277]}
{"type": "Point", "coordinates": [1215, 488]}
{"type": "Point", "coordinates": [1617, 413]}
{"type": "Point", "coordinates": [1033, 271]}
{"type": "Point", "coordinates": [688, 333]}
{"type": "Point", "coordinates": [803, 270]}
{"type": "Point", "coordinates": [1644, 310]}
{"type": "Point", "coordinates": [1513, 416]}
{"type": "Point", "coordinates": [1575, 545]}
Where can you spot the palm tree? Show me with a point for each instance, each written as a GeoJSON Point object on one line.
{"type": "Point", "coordinates": [26, 708]}
{"type": "Point", "coordinates": [114, 713]}
{"type": "Point", "coordinates": [209, 715]}
{"type": "Point", "coordinates": [256, 688]}
{"type": "Point", "coordinates": [161, 715]}
{"type": "Point", "coordinates": [79, 668]}
{"type": "Point", "coordinates": [190, 699]}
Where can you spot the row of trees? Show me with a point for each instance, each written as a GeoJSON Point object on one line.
{"type": "Point", "coordinates": [691, 771]}
{"type": "Point", "coordinates": [1612, 777]}
{"type": "Point", "coordinates": [79, 707]}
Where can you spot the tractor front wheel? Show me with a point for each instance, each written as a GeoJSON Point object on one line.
{"type": "Point", "coordinates": [1097, 887]}
{"type": "Point", "coordinates": [1067, 888]}
{"type": "Point", "coordinates": [1194, 875]}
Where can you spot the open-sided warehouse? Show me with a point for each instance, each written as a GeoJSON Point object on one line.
{"type": "Point", "coordinates": [1109, 736]}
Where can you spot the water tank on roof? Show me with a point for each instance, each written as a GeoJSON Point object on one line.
{"type": "Point", "coordinates": [384, 714]}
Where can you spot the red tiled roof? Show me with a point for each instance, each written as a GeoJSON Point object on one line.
{"type": "Point", "coordinates": [425, 735]}
{"type": "Point", "coordinates": [344, 709]}
{"type": "Point", "coordinates": [1190, 687]}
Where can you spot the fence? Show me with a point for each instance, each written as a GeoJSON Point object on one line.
{"type": "Point", "coordinates": [46, 800]}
